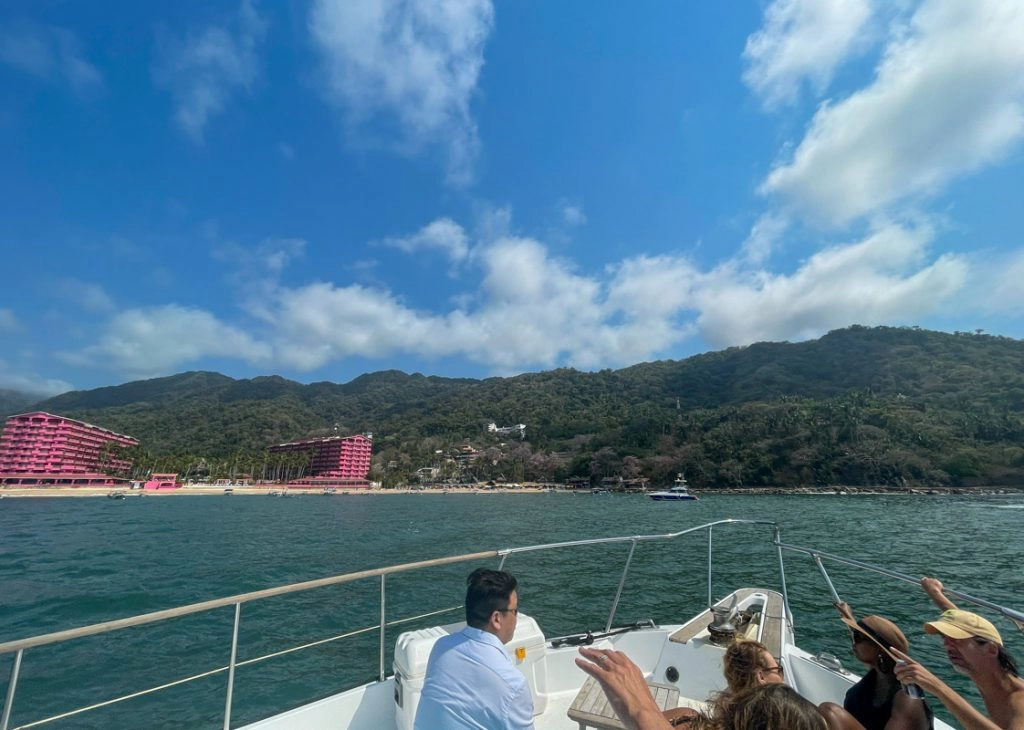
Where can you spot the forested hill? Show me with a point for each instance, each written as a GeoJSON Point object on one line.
{"type": "Point", "coordinates": [857, 406]}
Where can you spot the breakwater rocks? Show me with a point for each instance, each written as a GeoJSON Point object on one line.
{"type": "Point", "coordinates": [847, 491]}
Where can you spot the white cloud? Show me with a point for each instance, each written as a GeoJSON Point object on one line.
{"type": "Point", "coordinates": [764, 234]}
{"type": "Point", "coordinates": [8, 322]}
{"type": "Point", "coordinates": [156, 341]}
{"type": "Point", "coordinates": [802, 41]}
{"type": "Point", "coordinates": [531, 310]}
{"type": "Point", "coordinates": [573, 215]}
{"type": "Point", "coordinates": [30, 382]}
{"type": "Point", "coordinates": [947, 99]}
{"type": "Point", "coordinates": [205, 69]}
{"type": "Point", "coordinates": [49, 52]}
{"type": "Point", "coordinates": [416, 61]}
{"type": "Point", "coordinates": [90, 297]}
{"type": "Point", "coordinates": [879, 280]}
{"type": "Point", "coordinates": [256, 270]}
{"type": "Point", "coordinates": [443, 234]}
{"type": "Point", "coordinates": [320, 323]}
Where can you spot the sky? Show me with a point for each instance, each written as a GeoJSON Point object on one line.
{"type": "Point", "coordinates": [465, 188]}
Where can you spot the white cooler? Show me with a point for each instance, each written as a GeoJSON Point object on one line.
{"type": "Point", "coordinates": [412, 650]}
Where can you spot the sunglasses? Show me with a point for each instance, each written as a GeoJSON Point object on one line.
{"type": "Point", "coordinates": [777, 669]}
{"type": "Point", "coordinates": [508, 610]}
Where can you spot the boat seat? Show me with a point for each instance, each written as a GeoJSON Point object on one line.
{"type": "Point", "coordinates": [771, 620]}
{"type": "Point", "coordinates": [591, 708]}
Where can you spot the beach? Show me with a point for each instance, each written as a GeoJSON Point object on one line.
{"type": "Point", "coordinates": [278, 490]}
{"type": "Point", "coordinates": [262, 490]}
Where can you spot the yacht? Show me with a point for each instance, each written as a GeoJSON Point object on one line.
{"type": "Point", "coordinates": [681, 657]}
{"type": "Point", "coordinates": [678, 492]}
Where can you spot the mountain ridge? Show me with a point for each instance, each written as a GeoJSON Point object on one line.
{"type": "Point", "coordinates": [710, 414]}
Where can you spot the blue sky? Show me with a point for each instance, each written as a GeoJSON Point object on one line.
{"type": "Point", "coordinates": [323, 188]}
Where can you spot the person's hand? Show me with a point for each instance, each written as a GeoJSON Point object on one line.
{"type": "Point", "coordinates": [932, 586]}
{"type": "Point", "coordinates": [909, 671]}
{"type": "Point", "coordinates": [844, 609]}
{"type": "Point", "coordinates": [625, 686]}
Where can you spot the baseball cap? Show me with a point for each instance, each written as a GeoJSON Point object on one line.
{"type": "Point", "coordinates": [957, 624]}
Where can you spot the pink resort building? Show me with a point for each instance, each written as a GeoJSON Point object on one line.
{"type": "Point", "coordinates": [335, 461]}
{"type": "Point", "coordinates": [41, 449]}
{"type": "Point", "coordinates": [156, 482]}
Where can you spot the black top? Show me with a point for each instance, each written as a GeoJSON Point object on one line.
{"type": "Point", "coordinates": [859, 702]}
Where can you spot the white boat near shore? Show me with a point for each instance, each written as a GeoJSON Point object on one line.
{"type": "Point", "coordinates": [678, 492]}
{"type": "Point", "coordinates": [681, 657]}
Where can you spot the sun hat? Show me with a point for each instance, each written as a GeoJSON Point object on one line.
{"type": "Point", "coordinates": [881, 631]}
{"type": "Point", "coordinates": [957, 624]}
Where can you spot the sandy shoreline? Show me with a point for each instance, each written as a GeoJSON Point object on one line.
{"type": "Point", "coordinates": [284, 490]}
{"type": "Point", "coordinates": [78, 492]}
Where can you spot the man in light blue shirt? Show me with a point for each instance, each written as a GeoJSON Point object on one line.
{"type": "Point", "coordinates": [471, 682]}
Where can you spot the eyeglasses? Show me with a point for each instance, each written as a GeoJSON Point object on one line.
{"type": "Point", "coordinates": [508, 610]}
{"type": "Point", "coordinates": [778, 668]}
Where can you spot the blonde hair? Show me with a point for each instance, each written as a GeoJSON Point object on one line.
{"type": "Point", "coordinates": [741, 662]}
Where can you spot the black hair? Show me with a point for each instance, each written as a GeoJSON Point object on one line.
{"type": "Point", "coordinates": [1007, 662]}
{"type": "Point", "coordinates": [487, 591]}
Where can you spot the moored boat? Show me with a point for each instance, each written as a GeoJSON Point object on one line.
{"type": "Point", "coordinates": [678, 492]}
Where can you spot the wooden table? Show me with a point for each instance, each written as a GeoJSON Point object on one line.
{"type": "Point", "coordinates": [592, 709]}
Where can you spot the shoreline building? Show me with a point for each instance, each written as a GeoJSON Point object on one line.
{"type": "Point", "coordinates": [335, 461]}
{"type": "Point", "coordinates": [517, 430]}
{"type": "Point", "coordinates": [42, 449]}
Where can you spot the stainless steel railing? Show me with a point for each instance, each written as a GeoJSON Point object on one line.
{"type": "Point", "coordinates": [817, 555]}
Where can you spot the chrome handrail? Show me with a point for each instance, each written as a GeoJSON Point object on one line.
{"type": "Point", "coordinates": [1015, 616]}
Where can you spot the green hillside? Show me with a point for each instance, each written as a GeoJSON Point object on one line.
{"type": "Point", "coordinates": [859, 406]}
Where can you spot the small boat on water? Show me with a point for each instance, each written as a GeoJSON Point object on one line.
{"type": "Point", "coordinates": [678, 492]}
{"type": "Point", "coordinates": [117, 494]}
{"type": "Point", "coordinates": [682, 660]}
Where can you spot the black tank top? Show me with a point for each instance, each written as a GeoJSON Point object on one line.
{"type": "Point", "coordinates": [859, 703]}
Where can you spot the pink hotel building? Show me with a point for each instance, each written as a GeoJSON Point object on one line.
{"type": "Point", "coordinates": [42, 449]}
{"type": "Point", "coordinates": [342, 461]}
{"type": "Point", "coordinates": [46, 450]}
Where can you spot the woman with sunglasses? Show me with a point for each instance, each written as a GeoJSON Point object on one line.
{"type": "Point", "coordinates": [746, 665]}
{"type": "Point", "coordinates": [876, 702]}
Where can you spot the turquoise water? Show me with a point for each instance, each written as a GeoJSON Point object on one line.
{"type": "Point", "coordinates": [71, 562]}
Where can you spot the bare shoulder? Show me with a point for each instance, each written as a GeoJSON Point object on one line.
{"type": "Point", "coordinates": [910, 709]}
{"type": "Point", "coordinates": [1016, 709]}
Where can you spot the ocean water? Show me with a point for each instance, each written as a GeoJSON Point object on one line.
{"type": "Point", "coordinates": [71, 562]}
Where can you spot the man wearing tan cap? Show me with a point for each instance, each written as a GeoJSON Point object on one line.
{"type": "Point", "coordinates": [974, 648]}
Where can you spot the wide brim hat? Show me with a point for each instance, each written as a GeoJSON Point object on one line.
{"type": "Point", "coordinates": [882, 632]}
{"type": "Point", "coordinates": [957, 624]}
